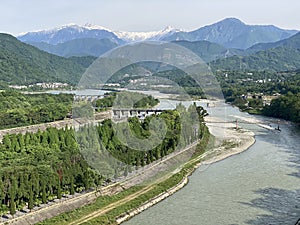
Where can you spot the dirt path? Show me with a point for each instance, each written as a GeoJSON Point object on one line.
{"type": "Point", "coordinates": [111, 206]}
{"type": "Point", "coordinates": [149, 187]}
{"type": "Point", "coordinates": [123, 201]}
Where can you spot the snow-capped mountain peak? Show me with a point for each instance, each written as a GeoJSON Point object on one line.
{"type": "Point", "coordinates": [95, 27]}
{"type": "Point", "coordinates": [73, 31]}
{"type": "Point", "coordinates": [74, 26]}
{"type": "Point", "coordinates": [70, 32]}
{"type": "Point", "coordinates": [148, 35]}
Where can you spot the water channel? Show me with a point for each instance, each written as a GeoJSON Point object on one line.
{"type": "Point", "coordinates": [257, 187]}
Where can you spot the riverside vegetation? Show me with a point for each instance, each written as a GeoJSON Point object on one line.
{"type": "Point", "coordinates": [236, 85]}
{"type": "Point", "coordinates": [17, 109]}
{"type": "Point", "coordinates": [38, 167]}
{"type": "Point", "coordinates": [103, 201]}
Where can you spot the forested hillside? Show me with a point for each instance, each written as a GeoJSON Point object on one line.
{"type": "Point", "coordinates": [24, 64]}
{"type": "Point", "coordinates": [279, 56]}
{"type": "Point", "coordinates": [77, 47]}
{"type": "Point", "coordinates": [209, 51]}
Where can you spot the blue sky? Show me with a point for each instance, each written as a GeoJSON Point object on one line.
{"type": "Point", "coordinates": [18, 16]}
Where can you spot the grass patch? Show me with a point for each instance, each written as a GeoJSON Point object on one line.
{"type": "Point", "coordinates": [229, 144]}
{"type": "Point", "coordinates": [110, 217]}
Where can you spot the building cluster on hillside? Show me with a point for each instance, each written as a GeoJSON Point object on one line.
{"type": "Point", "coordinates": [42, 85]}
{"type": "Point", "coordinates": [266, 99]}
{"type": "Point", "coordinates": [50, 85]}
{"type": "Point", "coordinates": [19, 87]}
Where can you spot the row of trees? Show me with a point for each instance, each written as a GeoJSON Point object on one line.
{"type": "Point", "coordinates": [38, 167]}
{"type": "Point", "coordinates": [42, 166]}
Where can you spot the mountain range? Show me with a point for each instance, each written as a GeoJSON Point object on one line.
{"type": "Point", "coordinates": [75, 40]}
{"type": "Point", "coordinates": [233, 33]}
{"type": "Point", "coordinates": [22, 63]}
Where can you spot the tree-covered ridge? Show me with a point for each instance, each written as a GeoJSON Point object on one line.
{"type": "Point", "coordinates": [291, 42]}
{"type": "Point", "coordinates": [38, 167]}
{"type": "Point", "coordinates": [279, 56]}
{"type": "Point", "coordinates": [125, 100]}
{"type": "Point", "coordinates": [157, 76]}
{"type": "Point", "coordinates": [24, 64]}
{"type": "Point", "coordinates": [209, 51]}
{"type": "Point", "coordinates": [77, 47]}
{"type": "Point", "coordinates": [275, 59]}
{"type": "Point", "coordinates": [18, 109]}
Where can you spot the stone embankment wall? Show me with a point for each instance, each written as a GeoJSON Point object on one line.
{"type": "Point", "coordinates": [152, 201]}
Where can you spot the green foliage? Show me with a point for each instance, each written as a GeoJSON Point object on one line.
{"type": "Point", "coordinates": [183, 127]}
{"type": "Point", "coordinates": [177, 81]}
{"type": "Point", "coordinates": [285, 107]}
{"type": "Point", "coordinates": [84, 61]}
{"type": "Point", "coordinates": [275, 59]}
{"type": "Point", "coordinates": [18, 109]}
{"type": "Point", "coordinates": [125, 100]}
{"type": "Point", "coordinates": [39, 167]}
{"type": "Point", "coordinates": [24, 64]}
{"type": "Point", "coordinates": [243, 90]}
{"type": "Point", "coordinates": [111, 142]}
{"type": "Point", "coordinates": [102, 201]}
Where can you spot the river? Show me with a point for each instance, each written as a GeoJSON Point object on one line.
{"type": "Point", "coordinates": [257, 187]}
